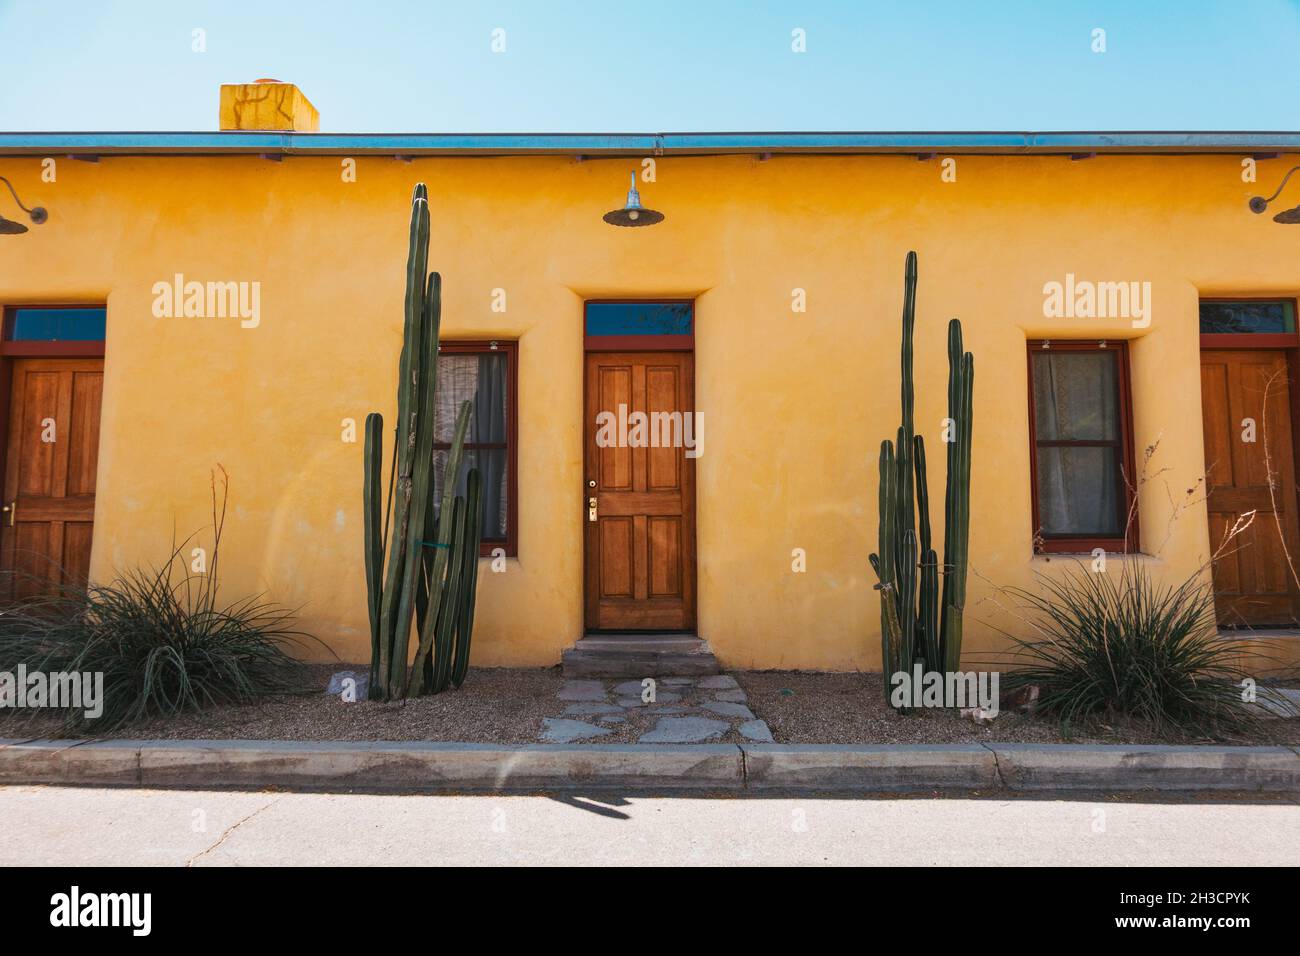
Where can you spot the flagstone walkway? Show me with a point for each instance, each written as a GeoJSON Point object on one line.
{"type": "Point", "coordinates": [665, 710]}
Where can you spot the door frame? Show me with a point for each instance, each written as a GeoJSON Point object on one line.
{"type": "Point", "coordinates": [37, 348]}
{"type": "Point", "coordinates": [1286, 342]}
{"type": "Point", "coordinates": [648, 344]}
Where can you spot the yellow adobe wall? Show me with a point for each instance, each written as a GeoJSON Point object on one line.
{"type": "Point", "coordinates": [795, 404]}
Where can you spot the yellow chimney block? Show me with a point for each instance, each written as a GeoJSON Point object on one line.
{"type": "Point", "coordinates": [267, 105]}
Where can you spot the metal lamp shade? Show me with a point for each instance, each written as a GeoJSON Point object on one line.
{"type": "Point", "coordinates": [1287, 216]}
{"type": "Point", "coordinates": [633, 213]}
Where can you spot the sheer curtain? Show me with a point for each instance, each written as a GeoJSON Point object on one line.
{"type": "Point", "coordinates": [481, 379]}
{"type": "Point", "coordinates": [1076, 401]}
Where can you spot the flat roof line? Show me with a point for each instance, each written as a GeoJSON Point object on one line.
{"type": "Point", "coordinates": [643, 144]}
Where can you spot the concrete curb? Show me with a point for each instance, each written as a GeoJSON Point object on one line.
{"type": "Point", "coordinates": [869, 767]}
{"type": "Point", "coordinates": [1067, 767]}
{"type": "Point", "coordinates": [391, 765]}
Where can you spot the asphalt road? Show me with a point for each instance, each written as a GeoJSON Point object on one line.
{"type": "Point", "coordinates": [79, 827]}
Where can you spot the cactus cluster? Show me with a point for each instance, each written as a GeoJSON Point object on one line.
{"type": "Point", "coordinates": [431, 572]}
{"type": "Point", "coordinates": [921, 621]}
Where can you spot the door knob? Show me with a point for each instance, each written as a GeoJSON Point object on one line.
{"type": "Point", "coordinates": [11, 510]}
{"type": "Point", "coordinates": [591, 509]}
{"type": "Point", "coordinates": [592, 483]}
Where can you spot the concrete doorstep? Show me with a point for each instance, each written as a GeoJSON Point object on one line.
{"type": "Point", "coordinates": [420, 766]}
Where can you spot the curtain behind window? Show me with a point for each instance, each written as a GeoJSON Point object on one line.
{"type": "Point", "coordinates": [1076, 399]}
{"type": "Point", "coordinates": [480, 378]}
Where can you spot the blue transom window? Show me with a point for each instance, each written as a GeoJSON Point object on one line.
{"type": "Point", "coordinates": [38, 324]}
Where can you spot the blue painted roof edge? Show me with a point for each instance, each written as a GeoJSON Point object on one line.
{"type": "Point", "coordinates": [639, 144]}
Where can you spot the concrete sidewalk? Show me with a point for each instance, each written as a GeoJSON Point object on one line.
{"type": "Point", "coordinates": [421, 766]}
{"type": "Point", "coordinates": [117, 826]}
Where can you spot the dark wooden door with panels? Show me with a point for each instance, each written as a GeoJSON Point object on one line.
{"type": "Point", "coordinates": [638, 499]}
{"type": "Point", "coordinates": [1249, 350]}
{"type": "Point", "coordinates": [640, 527]}
{"type": "Point", "coordinates": [52, 377]}
{"type": "Point", "coordinates": [641, 437]}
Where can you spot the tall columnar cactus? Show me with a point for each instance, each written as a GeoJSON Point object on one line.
{"type": "Point", "coordinates": [918, 621]}
{"type": "Point", "coordinates": [431, 571]}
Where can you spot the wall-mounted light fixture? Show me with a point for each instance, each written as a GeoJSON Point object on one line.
{"type": "Point", "coordinates": [633, 213]}
{"type": "Point", "coordinates": [1258, 203]}
{"type": "Point", "coordinates": [9, 227]}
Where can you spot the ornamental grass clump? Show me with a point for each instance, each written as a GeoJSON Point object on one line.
{"type": "Point", "coordinates": [162, 639]}
{"type": "Point", "coordinates": [1126, 648]}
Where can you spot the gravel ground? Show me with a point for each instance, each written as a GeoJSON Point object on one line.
{"type": "Point", "coordinates": [494, 705]}
{"type": "Point", "coordinates": [819, 708]}
{"type": "Point", "coordinates": [506, 705]}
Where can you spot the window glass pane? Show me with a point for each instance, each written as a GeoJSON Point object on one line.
{"type": "Point", "coordinates": [1235, 318]}
{"type": "Point", "coordinates": [58, 325]}
{"type": "Point", "coordinates": [1076, 397]}
{"type": "Point", "coordinates": [491, 463]}
{"type": "Point", "coordinates": [477, 377]}
{"type": "Point", "coordinates": [640, 318]}
{"type": "Point", "coordinates": [1078, 491]}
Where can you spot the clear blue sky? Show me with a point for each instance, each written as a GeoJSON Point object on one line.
{"type": "Point", "coordinates": [660, 65]}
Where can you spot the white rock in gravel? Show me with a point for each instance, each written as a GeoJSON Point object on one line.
{"type": "Point", "coordinates": [979, 715]}
{"type": "Point", "coordinates": [361, 686]}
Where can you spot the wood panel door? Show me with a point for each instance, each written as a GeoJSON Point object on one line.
{"type": "Point", "coordinates": [49, 475]}
{"type": "Point", "coordinates": [1253, 585]}
{"type": "Point", "coordinates": [638, 499]}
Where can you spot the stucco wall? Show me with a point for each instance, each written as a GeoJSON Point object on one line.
{"type": "Point", "coordinates": [795, 404]}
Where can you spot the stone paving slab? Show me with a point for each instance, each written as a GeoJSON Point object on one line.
{"type": "Point", "coordinates": [678, 710]}
{"type": "Point", "coordinates": [559, 730]}
{"type": "Point", "coordinates": [685, 730]}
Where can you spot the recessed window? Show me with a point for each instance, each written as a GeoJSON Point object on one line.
{"type": "Point", "coordinates": [483, 373]}
{"type": "Point", "coordinates": [1246, 317]}
{"type": "Point", "coordinates": [1080, 449]}
{"type": "Point", "coordinates": [30, 324]}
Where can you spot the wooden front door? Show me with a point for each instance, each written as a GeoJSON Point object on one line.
{"type": "Point", "coordinates": [1253, 583]}
{"type": "Point", "coordinates": [639, 492]}
{"type": "Point", "coordinates": [49, 474]}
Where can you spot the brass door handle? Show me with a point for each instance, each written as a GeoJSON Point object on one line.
{"type": "Point", "coordinates": [11, 510]}
{"type": "Point", "coordinates": [591, 509]}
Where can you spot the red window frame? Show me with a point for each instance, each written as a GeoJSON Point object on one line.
{"type": "Point", "coordinates": [1128, 518]}
{"type": "Point", "coordinates": [46, 348]}
{"type": "Point", "coordinates": [511, 351]}
{"type": "Point", "coordinates": [1252, 340]}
